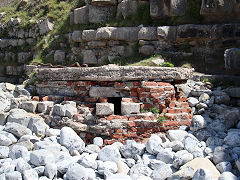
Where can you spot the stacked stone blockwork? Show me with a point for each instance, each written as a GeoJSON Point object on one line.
{"type": "Point", "coordinates": [118, 96]}
{"type": "Point", "coordinates": [200, 34]}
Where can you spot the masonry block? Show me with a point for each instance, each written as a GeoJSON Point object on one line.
{"type": "Point", "coordinates": [29, 106]}
{"type": "Point", "coordinates": [42, 107]}
{"type": "Point", "coordinates": [104, 108]}
{"type": "Point", "coordinates": [130, 108]}
{"type": "Point", "coordinates": [106, 92]}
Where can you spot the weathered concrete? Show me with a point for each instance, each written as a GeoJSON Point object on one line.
{"type": "Point", "coordinates": [112, 73]}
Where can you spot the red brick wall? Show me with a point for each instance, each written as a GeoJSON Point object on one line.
{"type": "Point", "coordinates": [172, 104]}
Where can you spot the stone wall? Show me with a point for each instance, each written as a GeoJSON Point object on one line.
{"type": "Point", "coordinates": [202, 45]}
{"type": "Point", "coordinates": [205, 44]}
{"type": "Point", "coordinates": [212, 11]}
{"type": "Point", "coordinates": [16, 46]}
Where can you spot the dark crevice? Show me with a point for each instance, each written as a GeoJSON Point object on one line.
{"type": "Point", "coordinates": [117, 104]}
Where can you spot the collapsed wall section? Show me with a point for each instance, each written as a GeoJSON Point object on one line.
{"type": "Point", "coordinates": [127, 102]}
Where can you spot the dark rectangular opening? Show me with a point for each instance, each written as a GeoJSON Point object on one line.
{"type": "Point", "coordinates": [117, 104]}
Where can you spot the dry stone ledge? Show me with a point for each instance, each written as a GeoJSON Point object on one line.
{"type": "Point", "coordinates": [112, 73]}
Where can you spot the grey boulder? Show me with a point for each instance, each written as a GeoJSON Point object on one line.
{"type": "Point", "coordinates": [38, 126]}
{"type": "Point", "coordinates": [19, 152]}
{"type": "Point", "coordinates": [76, 172]}
{"type": "Point", "coordinates": [154, 145]}
{"type": "Point", "coordinates": [166, 156]}
{"type": "Point", "coordinates": [48, 145]}
{"type": "Point", "coordinates": [140, 169]}
{"type": "Point", "coordinates": [30, 174]}
{"type": "Point", "coordinates": [107, 166]}
{"type": "Point", "coordinates": [50, 170]}
{"type": "Point", "coordinates": [119, 176]}
{"type": "Point", "coordinates": [109, 153]}
{"type": "Point", "coordinates": [22, 165]}
{"type": "Point", "coordinates": [17, 129]}
{"type": "Point", "coordinates": [98, 141]}
{"type": "Point", "coordinates": [41, 157]}
{"type": "Point", "coordinates": [13, 175]}
{"type": "Point", "coordinates": [18, 116]}
{"type": "Point", "coordinates": [4, 140]}
{"type": "Point", "coordinates": [162, 172]}
{"type": "Point", "coordinates": [228, 176]}
{"type": "Point", "coordinates": [233, 138]}
{"type": "Point", "coordinates": [4, 152]}
{"type": "Point", "coordinates": [224, 166]}
{"type": "Point", "coordinates": [88, 162]}
{"type": "Point", "coordinates": [193, 101]}
{"type": "Point", "coordinates": [181, 158]}
{"type": "Point", "coordinates": [131, 149]}
{"type": "Point", "coordinates": [221, 154]}
{"type": "Point", "coordinates": [70, 139]}
{"type": "Point", "coordinates": [177, 135]}
{"type": "Point", "coordinates": [197, 123]}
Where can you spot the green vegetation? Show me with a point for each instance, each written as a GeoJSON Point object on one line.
{"type": "Point", "coordinates": [56, 10]}
{"type": "Point", "coordinates": [156, 111]}
{"type": "Point", "coordinates": [125, 61]}
{"type": "Point", "coordinates": [166, 64]}
{"type": "Point", "coordinates": [30, 82]}
{"type": "Point", "coordinates": [59, 12]}
{"type": "Point", "coordinates": [32, 74]}
{"type": "Point", "coordinates": [148, 62]}
{"type": "Point", "coordinates": [36, 60]}
{"type": "Point", "coordinates": [161, 119]}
